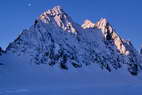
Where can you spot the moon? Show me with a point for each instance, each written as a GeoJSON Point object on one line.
{"type": "Point", "coordinates": [29, 4]}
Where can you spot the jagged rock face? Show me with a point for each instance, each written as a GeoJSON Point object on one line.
{"type": "Point", "coordinates": [110, 34]}
{"type": "Point", "coordinates": [56, 39]}
{"type": "Point", "coordinates": [58, 17]}
{"type": "Point", "coordinates": [123, 46]}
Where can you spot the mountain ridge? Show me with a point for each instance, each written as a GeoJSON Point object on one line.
{"type": "Point", "coordinates": [55, 38]}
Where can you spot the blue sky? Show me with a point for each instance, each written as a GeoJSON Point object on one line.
{"type": "Point", "coordinates": [124, 15]}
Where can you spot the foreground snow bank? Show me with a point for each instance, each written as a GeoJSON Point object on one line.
{"type": "Point", "coordinates": [20, 78]}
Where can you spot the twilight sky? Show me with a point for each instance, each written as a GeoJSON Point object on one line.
{"type": "Point", "coordinates": [124, 15]}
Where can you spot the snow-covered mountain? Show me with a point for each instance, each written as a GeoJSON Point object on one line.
{"type": "Point", "coordinates": [58, 56]}
{"type": "Point", "coordinates": [55, 39]}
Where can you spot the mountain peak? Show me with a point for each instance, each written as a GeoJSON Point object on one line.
{"type": "Point", "coordinates": [55, 10]}
{"type": "Point", "coordinates": [103, 20]}
{"type": "Point", "coordinates": [108, 33]}
{"type": "Point", "coordinates": [102, 24]}
{"type": "Point", "coordinates": [59, 18]}
{"type": "Point", "coordinates": [88, 24]}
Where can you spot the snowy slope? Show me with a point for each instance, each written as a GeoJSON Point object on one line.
{"type": "Point", "coordinates": [20, 78]}
{"type": "Point", "coordinates": [57, 56]}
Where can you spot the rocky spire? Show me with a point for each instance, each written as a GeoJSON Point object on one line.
{"type": "Point", "coordinates": [103, 25]}
{"type": "Point", "coordinates": [110, 34]}
{"type": "Point", "coordinates": [88, 24]}
{"type": "Point", "coordinates": [58, 17]}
